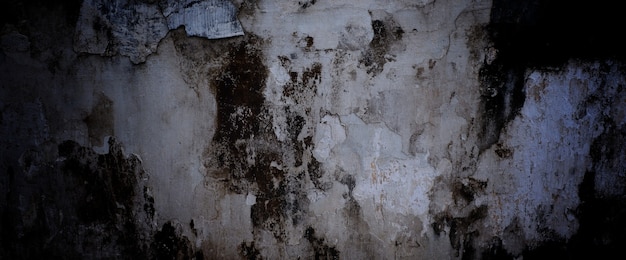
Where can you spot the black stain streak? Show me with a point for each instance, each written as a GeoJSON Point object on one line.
{"type": "Point", "coordinates": [502, 151]}
{"type": "Point", "coordinates": [169, 244]}
{"type": "Point", "coordinates": [385, 34]}
{"type": "Point", "coordinates": [249, 251]}
{"type": "Point", "coordinates": [465, 219]}
{"type": "Point", "coordinates": [240, 86]}
{"type": "Point", "coordinates": [316, 173]}
{"type": "Point", "coordinates": [306, 4]}
{"type": "Point", "coordinates": [245, 146]}
{"type": "Point", "coordinates": [540, 35]}
{"type": "Point", "coordinates": [502, 98]}
{"type": "Point", "coordinates": [467, 190]}
{"type": "Point", "coordinates": [100, 120]}
{"type": "Point", "coordinates": [320, 248]}
{"type": "Point", "coordinates": [462, 230]}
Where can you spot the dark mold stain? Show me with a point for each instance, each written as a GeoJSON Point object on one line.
{"type": "Point", "coordinates": [301, 89]}
{"type": "Point", "coordinates": [463, 221]}
{"type": "Point", "coordinates": [316, 174]}
{"type": "Point", "coordinates": [169, 244]}
{"type": "Point", "coordinates": [502, 97]}
{"type": "Point", "coordinates": [16, 12]}
{"type": "Point", "coordinates": [84, 205]}
{"type": "Point", "coordinates": [100, 120]}
{"type": "Point", "coordinates": [295, 124]}
{"type": "Point", "coordinates": [306, 4]}
{"type": "Point", "coordinates": [320, 248]}
{"type": "Point", "coordinates": [503, 152]}
{"type": "Point", "coordinates": [542, 33]}
{"type": "Point", "coordinates": [249, 251]}
{"type": "Point", "coordinates": [309, 41]}
{"type": "Point", "coordinates": [240, 85]}
{"type": "Point", "coordinates": [463, 230]}
{"type": "Point", "coordinates": [494, 251]}
{"type": "Point", "coordinates": [245, 149]}
{"type": "Point", "coordinates": [467, 190]}
{"type": "Point", "coordinates": [385, 34]}
{"type": "Point", "coordinates": [358, 229]}
{"type": "Point", "coordinates": [602, 217]}
{"type": "Point", "coordinates": [349, 181]}
{"type": "Point", "coordinates": [296, 201]}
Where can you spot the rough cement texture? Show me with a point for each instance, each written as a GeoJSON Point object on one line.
{"type": "Point", "coordinates": [311, 130]}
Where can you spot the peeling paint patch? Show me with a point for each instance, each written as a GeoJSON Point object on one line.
{"type": "Point", "coordinates": [134, 28]}
{"type": "Point", "coordinates": [211, 19]}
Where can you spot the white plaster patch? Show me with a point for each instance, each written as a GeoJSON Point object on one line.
{"type": "Point", "coordinates": [390, 181]}
{"type": "Point", "coordinates": [329, 133]}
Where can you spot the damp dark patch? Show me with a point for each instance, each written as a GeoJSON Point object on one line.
{"type": "Point", "coordinates": [297, 202]}
{"type": "Point", "coordinates": [169, 244]}
{"type": "Point", "coordinates": [249, 251]}
{"type": "Point", "coordinates": [100, 120]}
{"type": "Point", "coordinates": [601, 214]}
{"type": "Point", "coordinates": [463, 230]}
{"type": "Point", "coordinates": [349, 181]}
{"type": "Point", "coordinates": [358, 230]}
{"type": "Point", "coordinates": [309, 41]}
{"type": "Point", "coordinates": [83, 205]}
{"type": "Point", "coordinates": [316, 174]}
{"type": "Point", "coordinates": [295, 124]}
{"type": "Point", "coordinates": [602, 218]}
{"type": "Point", "coordinates": [306, 4]}
{"type": "Point", "coordinates": [269, 212]}
{"type": "Point", "coordinates": [14, 12]}
{"type": "Point", "coordinates": [386, 32]}
{"type": "Point", "coordinates": [245, 152]}
{"type": "Point", "coordinates": [494, 251]}
{"type": "Point", "coordinates": [503, 152]}
{"type": "Point", "coordinates": [541, 33]}
{"type": "Point", "coordinates": [321, 250]}
{"type": "Point", "coordinates": [239, 92]}
{"type": "Point", "coordinates": [303, 88]}
{"type": "Point", "coordinates": [502, 97]}
{"type": "Point", "coordinates": [467, 190]}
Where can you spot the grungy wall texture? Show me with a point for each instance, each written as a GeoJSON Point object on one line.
{"type": "Point", "coordinates": [312, 129]}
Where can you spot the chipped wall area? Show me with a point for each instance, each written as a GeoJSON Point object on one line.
{"type": "Point", "coordinates": [400, 129]}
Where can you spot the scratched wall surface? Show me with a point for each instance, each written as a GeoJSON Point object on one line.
{"type": "Point", "coordinates": [313, 129]}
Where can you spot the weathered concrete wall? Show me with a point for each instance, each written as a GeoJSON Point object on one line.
{"type": "Point", "coordinates": [311, 129]}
